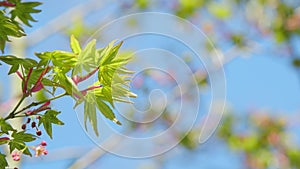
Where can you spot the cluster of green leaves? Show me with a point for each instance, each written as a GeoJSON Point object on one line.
{"type": "Point", "coordinates": [112, 76]}
{"type": "Point", "coordinates": [263, 136]}
{"type": "Point", "coordinates": [10, 16]}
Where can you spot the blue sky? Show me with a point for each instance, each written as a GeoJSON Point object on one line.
{"type": "Point", "coordinates": [258, 82]}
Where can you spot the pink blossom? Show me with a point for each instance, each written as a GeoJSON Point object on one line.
{"type": "Point", "coordinates": [16, 155]}
{"type": "Point", "coordinates": [40, 150]}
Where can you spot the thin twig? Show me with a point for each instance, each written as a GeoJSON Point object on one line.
{"type": "Point", "coordinates": [14, 112]}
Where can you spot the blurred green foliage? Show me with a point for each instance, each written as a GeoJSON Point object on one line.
{"type": "Point", "coordinates": [12, 14]}
{"type": "Point", "coordinates": [264, 141]}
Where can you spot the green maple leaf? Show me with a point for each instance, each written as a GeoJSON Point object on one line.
{"type": "Point", "coordinates": [74, 44]}
{"type": "Point", "coordinates": [3, 162]}
{"type": "Point", "coordinates": [48, 119]}
{"type": "Point", "coordinates": [18, 142]}
{"type": "Point", "coordinates": [5, 127]}
{"type": "Point", "coordinates": [8, 28]}
{"type": "Point", "coordinates": [61, 59]}
{"type": "Point", "coordinates": [90, 113]}
{"type": "Point", "coordinates": [16, 62]}
{"type": "Point", "coordinates": [23, 11]}
{"type": "Point", "coordinates": [86, 57]}
{"type": "Point", "coordinates": [23, 137]}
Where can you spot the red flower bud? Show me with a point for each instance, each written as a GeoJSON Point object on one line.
{"type": "Point", "coordinates": [39, 132]}
{"type": "Point", "coordinates": [23, 126]}
{"type": "Point", "coordinates": [44, 143]}
{"type": "Point", "coordinates": [33, 124]}
{"type": "Point", "coordinates": [45, 152]}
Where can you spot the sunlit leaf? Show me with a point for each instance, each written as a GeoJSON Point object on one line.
{"type": "Point", "coordinates": [74, 44]}
{"type": "Point", "coordinates": [86, 59]}
{"type": "Point", "coordinates": [107, 111]}
{"type": "Point", "coordinates": [90, 114]}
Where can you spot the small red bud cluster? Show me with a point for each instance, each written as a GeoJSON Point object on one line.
{"type": "Point", "coordinates": [33, 125]}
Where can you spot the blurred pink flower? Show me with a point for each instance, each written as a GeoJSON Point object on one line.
{"type": "Point", "coordinates": [16, 155]}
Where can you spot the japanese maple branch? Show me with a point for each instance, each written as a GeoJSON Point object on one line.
{"type": "Point", "coordinates": [15, 112]}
